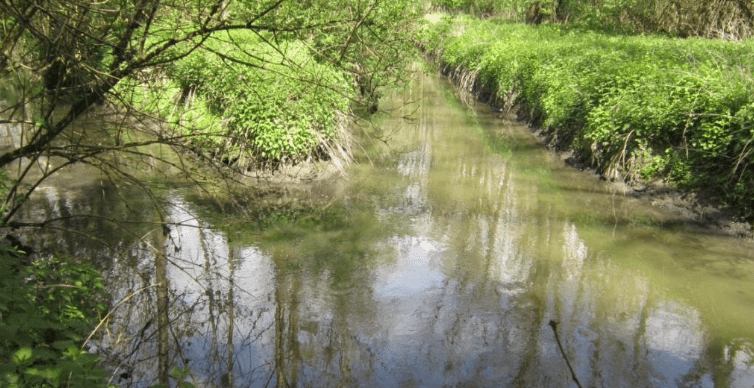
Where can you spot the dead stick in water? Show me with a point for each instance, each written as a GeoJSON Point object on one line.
{"type": "Point", "coordinates": [554, 326]}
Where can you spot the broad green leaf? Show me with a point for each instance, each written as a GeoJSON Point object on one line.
{"type": "Point", "coordinates": [47, 373]}
{"type": "Point", "coordinates": [23, 356]}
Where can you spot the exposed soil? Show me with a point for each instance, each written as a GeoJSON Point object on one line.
{"type": "Point", "coordinates": [701, 209]}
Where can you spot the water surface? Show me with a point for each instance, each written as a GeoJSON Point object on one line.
{"type": "Point", "coordinates": [440, 261]}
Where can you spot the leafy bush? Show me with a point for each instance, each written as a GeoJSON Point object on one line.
{"type": "Point", "coordinates": [46, 310]}
{"type": "Point", "coordinates": [633, 107]}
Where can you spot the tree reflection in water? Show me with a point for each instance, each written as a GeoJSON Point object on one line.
{"type": "Point", "coordinates": [442, 268]}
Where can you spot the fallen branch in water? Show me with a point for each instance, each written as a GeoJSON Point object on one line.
{"type": "Point", "coordinates": [554, 326]}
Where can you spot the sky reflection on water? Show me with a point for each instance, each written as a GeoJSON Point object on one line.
{"type": "Point", "coordinates": [464, 256]}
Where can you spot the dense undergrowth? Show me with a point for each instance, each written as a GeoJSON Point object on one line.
{"type": "Point", "coordinates": [249, 103]}
{"type": "Point", "coordinates": [634, 107]}
{"type": "Point", "coordinates": [725, 19]}
{"type": "Point", "coordinates": [47, 309]}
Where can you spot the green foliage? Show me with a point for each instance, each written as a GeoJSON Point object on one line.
{"type": "Point", "coordinates": [643, 106]}
{"type": "Point", "coordinates": [247, 101]}
{"type": "Point", "coordinates": [46, 310]}
{"type": "Point", "coordinates": [478, 7]}
{"type": "Point", "coordinates": [179, 374]}
{"type": "Point", "coordinates": [263, 99]}
{"type": "Point", "coordinates": [730, 20]}
{"type": "Point", "coordinates": [373, 43]}
{"type": "Point", "coordinates": [513, 9]}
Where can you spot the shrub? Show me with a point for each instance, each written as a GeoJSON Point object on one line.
{"type": "Point", "coordinates": [46, 310]}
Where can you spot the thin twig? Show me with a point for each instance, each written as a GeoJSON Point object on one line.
{"type": "Point", "coordinates": [554, 326]}
{"type": "Point", "coordinates": [103, 320]}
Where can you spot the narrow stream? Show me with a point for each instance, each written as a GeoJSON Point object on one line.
{"type": "Point", "coordinates": [438, 262]}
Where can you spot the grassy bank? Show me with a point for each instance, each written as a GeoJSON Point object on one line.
{"type": "Point", "coordinates": [633, 107]}
{"type": "Point", "coordinates": [242, 101]}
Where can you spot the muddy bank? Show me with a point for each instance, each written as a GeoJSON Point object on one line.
{"type": "Point", "coordinates": [701, 208]}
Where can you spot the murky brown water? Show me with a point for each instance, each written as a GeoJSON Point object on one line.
{"type": "Point", "coordinates": [439, 262]}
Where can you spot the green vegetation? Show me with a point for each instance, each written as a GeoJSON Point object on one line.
{"type": "Point", "coordinates": [633, 107]}
{"type": "Point", "coordinates": [46, 311]}
{"type": "Point", "coordinates": [246, 102]}
{"type": "Point", "coordinates": [730, 20]}
{"type": "Point", "coordinates": [252, 84]}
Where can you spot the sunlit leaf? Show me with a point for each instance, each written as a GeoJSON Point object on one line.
{"type": "Point", "coordinates": [23, 356]}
